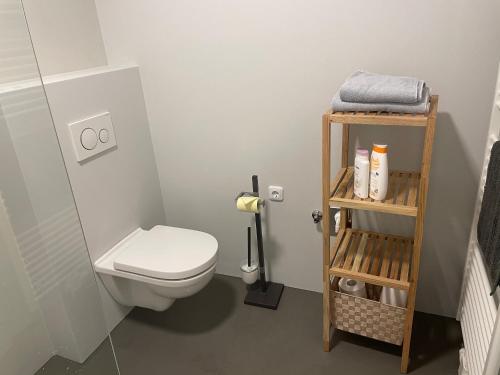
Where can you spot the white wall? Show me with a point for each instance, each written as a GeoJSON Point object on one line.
{"type": "Point", "coordinates": [66, 34]}
{"type": "Point", "coordinates": [53, 301]}
{"type": "Point", "coordinates": [119, 190]}
{"type": "Point", "coordinates": [44, 218]}
{"type": "Point", "coordinates": [25, 343]}
{"type": "Point", "coordinates": [17, 61]}
{"type": "Point", "coordinates": [238, 88]}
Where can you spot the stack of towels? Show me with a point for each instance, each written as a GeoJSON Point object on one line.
{"type": "Point", "coordinates": [367, 92]}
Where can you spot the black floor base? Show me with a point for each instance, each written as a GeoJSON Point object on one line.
{"type": "Point", "coordinates": [269, 299]}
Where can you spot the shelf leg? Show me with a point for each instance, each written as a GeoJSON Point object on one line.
{"type": "Point", "coordinates": [417, 245]}
{"type": "Point", "coordinates": [405, 357]}
{"type": "Point", "coordinates": [412, 292]}
{"type": "Point", "coordinates": [345, 146]}
{"type": "Point", "coordinates": [326, 149]}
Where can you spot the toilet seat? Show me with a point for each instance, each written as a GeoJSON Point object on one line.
{"type": "Point", "coordinates": [166, 253]}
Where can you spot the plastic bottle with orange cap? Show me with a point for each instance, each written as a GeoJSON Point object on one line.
{"type": "Point", "coordinates": [379, 172]}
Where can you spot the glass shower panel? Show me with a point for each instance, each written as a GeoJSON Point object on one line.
{"type": "Point", "coordinates": [51, 318]}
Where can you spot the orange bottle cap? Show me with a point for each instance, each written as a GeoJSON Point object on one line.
{"type": "Point", "coordinates": [382, 149]}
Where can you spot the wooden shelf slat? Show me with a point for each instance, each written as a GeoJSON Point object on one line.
{"type": "Point", "coordinates": [344, 242]}
{"type": "Point", "coordinates": [336, 245]}
{"type": "Point", "coordinates": [396, 261]}
{"type": "Point", "coordinates": [367, 258]}
{"type": "Point", "coordinates": [360, 252]}
{"type": "Point", "coordinates": [389, 257]}
{"type": "Point", "coordinates": [375, 269]}
{"type": "Point", "coordinates": [385, 118]}
{"type": "Point", "coordinates": [386, 258]}
{"type": "Point", "coordinates": [412, 191]}
{"type": "Point", "coordinates": [405, 265]}
{"type": "Point", "coordinates": [401, 198]}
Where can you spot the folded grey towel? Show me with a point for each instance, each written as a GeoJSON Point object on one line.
{"type": "Point", "coordinates": [421, 107]}
{"type": "Point", "coordinates": [365, 87]}
{"type": "Point", "coordinates": [488, 226]}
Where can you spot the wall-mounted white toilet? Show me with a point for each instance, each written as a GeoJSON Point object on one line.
{"type": "Point", "coordinates": [153, 268]}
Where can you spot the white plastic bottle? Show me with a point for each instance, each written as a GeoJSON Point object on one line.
{"type": "Point", "coordinates": [361, 173]}
{"type": "Point", "coordinates": [379, 172]}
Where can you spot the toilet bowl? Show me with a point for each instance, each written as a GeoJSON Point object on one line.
{"type": "Point", "coordinates": [153, 268]}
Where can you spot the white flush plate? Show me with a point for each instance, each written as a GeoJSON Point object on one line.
{"type": "Point", "coordinates": [92, 135]}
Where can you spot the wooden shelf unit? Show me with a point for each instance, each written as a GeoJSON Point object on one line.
{"type": "Point", "coordinates": [375, 258]}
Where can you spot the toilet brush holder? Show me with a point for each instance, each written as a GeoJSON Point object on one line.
{"type": "Point", "coordinates": [249, 273]}
{"type": "Point", "coordinates": [249, 268]}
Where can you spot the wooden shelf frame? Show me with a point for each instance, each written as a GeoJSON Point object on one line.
{"type": "Point", "coordinates": [401, 196]}
{"type": "Point", "coordinates": [334, 194]}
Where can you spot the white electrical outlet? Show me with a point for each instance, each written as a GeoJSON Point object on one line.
{"type": "Point", "coordinates": [275, 193]}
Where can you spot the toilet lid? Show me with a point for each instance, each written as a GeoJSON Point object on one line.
{"type": "Point", "coordinates": [168, 253]}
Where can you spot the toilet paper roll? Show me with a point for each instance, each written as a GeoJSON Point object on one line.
{"type": "Point", "coordinates": [248, 204]}
{"type": "Point", "coordinates": [352, 287]}
{"type": "Point", "coordinates": [393, 296]}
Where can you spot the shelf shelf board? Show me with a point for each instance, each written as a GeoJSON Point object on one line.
{"type": "Point", "coordinates": [401, 198]}
{"type": "Point", "coordinates": [374, 258]}
{"type": "Point", "coordinates": [385, 118]}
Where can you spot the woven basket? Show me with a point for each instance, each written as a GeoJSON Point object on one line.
{"type": "Point", "coordinates": [367, 317]}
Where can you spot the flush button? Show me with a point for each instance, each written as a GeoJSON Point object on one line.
{"type": "Point", "coordinates": [104, 135]}
{"type": "Point", "coordinates": [88, 138]}
{"type": "Point", "coordinates": [92, 136]}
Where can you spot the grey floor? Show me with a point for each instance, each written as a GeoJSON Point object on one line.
{"type": "Point", "coordinates": [213, 332]}
{"type": "Point", "coordinates": [101, 362]}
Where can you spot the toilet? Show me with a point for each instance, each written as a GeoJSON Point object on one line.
{"type": "Point", "coordinates": [152, 268]}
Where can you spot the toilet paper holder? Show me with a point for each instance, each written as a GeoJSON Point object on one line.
{"type": "Point", "coordinates": [261, 202]}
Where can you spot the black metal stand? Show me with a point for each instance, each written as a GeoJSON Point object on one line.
{"type": "Point", "coordinates": [263, 293]}
{"type": "Point", "coordinates": [269, 299]}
